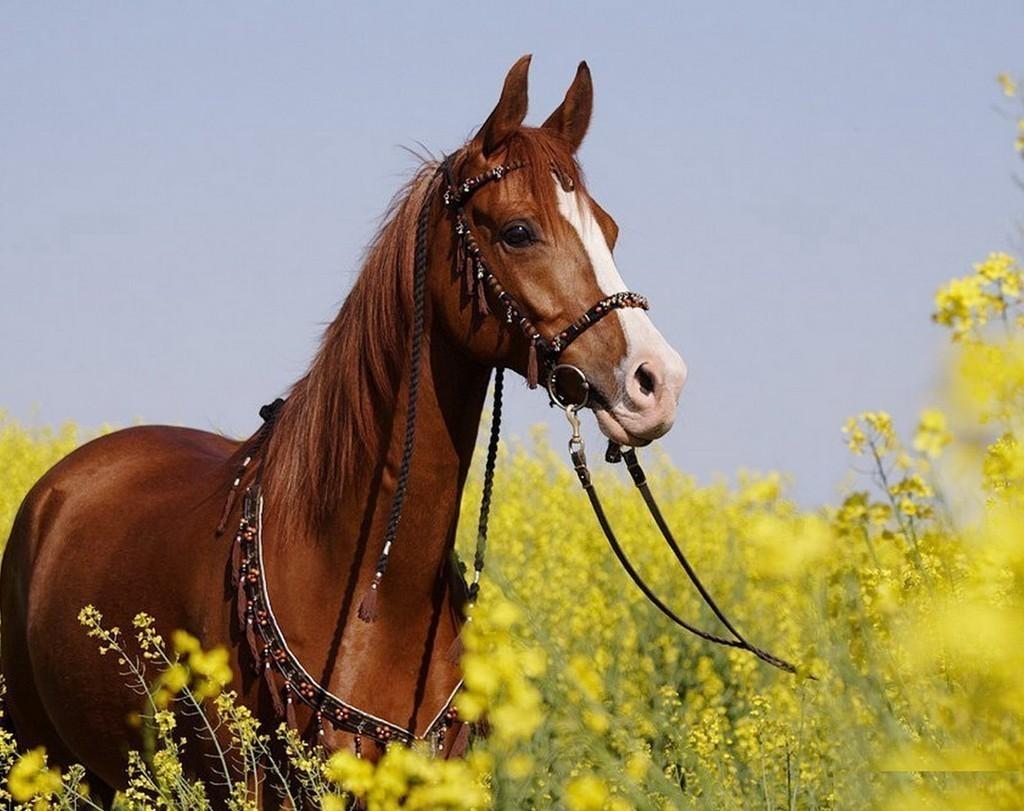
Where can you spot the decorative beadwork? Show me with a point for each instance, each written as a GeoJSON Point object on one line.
{"type": "Point", "coordinates": [273, 657]}
{"type": "Point", "coordinates": [479, 274]}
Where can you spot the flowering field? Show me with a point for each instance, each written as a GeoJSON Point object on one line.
{"type": "Point", "coordinates": [903, 602]}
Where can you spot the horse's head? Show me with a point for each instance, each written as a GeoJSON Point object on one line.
{"type": "Point", "coordinates": [545, 258]}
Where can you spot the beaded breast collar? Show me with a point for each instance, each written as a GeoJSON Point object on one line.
{"type": "Point", "coordinates": [286, 678]}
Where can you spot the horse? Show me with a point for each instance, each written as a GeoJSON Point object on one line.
{"type": "Point", "coordinates": [480, 263]}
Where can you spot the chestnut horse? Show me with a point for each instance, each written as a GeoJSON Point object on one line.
{"type": "Point", "coordinates": [127, 522]}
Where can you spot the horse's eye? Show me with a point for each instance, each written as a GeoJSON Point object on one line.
{"type": "Point", "coordinates": [517, 235]}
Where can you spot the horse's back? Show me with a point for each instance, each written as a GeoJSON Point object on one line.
{"type": "Point", "coordinates": [115, 483]}
{"type": "Point", "coordinates": [123, 523]}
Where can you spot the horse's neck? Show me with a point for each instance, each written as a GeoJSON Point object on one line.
{"type": "Point", "coordinates": [395, 666]}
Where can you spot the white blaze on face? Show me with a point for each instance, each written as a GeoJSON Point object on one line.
{"type": "Point", "coordinates": [643, 341]}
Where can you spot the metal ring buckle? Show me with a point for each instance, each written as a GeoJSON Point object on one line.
{"type": "Point", "coordinates": [568, 387]}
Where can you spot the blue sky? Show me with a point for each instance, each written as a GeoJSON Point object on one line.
{"type": "Point", "coordinates": [186, 190]}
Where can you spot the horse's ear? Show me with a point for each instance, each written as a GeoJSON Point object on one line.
{"type": "Point", "coordinates": [572, 117]}
{"type": "Point", "coordinates": [511, 110]}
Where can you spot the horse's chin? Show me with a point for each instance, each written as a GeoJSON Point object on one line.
{"type": "Point", "coordinates": [612, 427]}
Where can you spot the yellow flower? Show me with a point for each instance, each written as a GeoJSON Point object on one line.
{"type": "Point", "coordinates": [519, 766]}
{"type": "Point", "coordinates": [30, 777]}
{"type": "Point", "coordinates": [586, 793]}
{"type": "Point", "coordinates": [208, 672]}
{"type": "Point", "coordinates": [637, 765]}
{"type": "Point", "coordinates": [1008, 85]}
{"type": "Point", "coordinates": [932, 433]}
{"type": "Point", "coordinates": [334, 802]}
{"type": "Point", "coordinates": [350, 772]}
{"type": "Point", "coordinates": [596, 720]}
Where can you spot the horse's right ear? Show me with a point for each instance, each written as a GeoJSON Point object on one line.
{"type": "Point", "coordinates": [571, 119]}
{"type": "Point", "coordinates": [510, 112]}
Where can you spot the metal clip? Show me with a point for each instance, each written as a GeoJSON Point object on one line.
{"type": "Point", "coordinates": [576, 440]}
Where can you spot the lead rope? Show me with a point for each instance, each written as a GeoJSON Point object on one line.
{"type": "Point", "coordinates": [488, 487]}
{"type": "Point", "coordinates": [579, 461]}
{"type": "Point", "coordinates": [456, 649]}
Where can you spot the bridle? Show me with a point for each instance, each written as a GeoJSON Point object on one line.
{"type": "Point", "coordinates": [480, 278]}
{"type": "Point", "coordinates": [266, 640]}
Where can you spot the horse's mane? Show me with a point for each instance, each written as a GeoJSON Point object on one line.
{"type": "Point", "coordinates": [335, 416]}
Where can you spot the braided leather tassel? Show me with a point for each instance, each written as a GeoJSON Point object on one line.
{"type": "Point", "coordinates": [481, 298]}
{"type": "Point", "coordinates": [461, 742]}
{"type": "Point", "coordinates": [241, 602]}
{"type": "Point", "coordinates": [470, 273]}
{"type": "Point", "coordinates": [456, 649]}
{"type": "Point", "coordinates": [250, 638]}
{"type": "Point", "coordinates": [462, 263]}
{"type": "Point", "coordinates": [236, 558]}
{"type": "Point", "coordinates": [289, 703]}
{"type": "Point", "coordinates": [228, 505]}
{"type": "Point", "coordinates": [275, 695]}
{"type": "Point", "coordinates": [368, 605]}
{"type": "Point", "coordinates": [531, 365]}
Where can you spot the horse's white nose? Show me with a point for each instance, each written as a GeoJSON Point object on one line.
{"type": "Point", "coordinates": [653, 384]}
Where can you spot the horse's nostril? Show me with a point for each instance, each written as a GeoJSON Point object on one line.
{"type": "Point", "coordinates": [645, 379]}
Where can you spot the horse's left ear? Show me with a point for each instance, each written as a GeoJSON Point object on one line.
{"type": "Point", "coordinates": [572, 117]}
{"type": "Point", "coordinates": [510, 112]}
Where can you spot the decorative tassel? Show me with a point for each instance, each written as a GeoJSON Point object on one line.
{"type": "Point", "coordinates": [469, 268]}
{"type": "Point", "coordinates": [531, 365]}
{"type": "Point", "coordinates": [228, 505]}
{"type": "Point", "coordinates": [462, 263]}
{"type": "Point", "coordinates": [461, 742]}
{"type": "Point", "coordinates": [250, 637]}
{"type": "Point", "coordinates": [455, 650]}
{"type": "Point", "coordinates": [275, 695]}
{"type": "Point", "coordinates": [481, 298]}
{"type": "Point", "coordinates": [241, 602]}
{"type": "Point", "coordinates": [236, 559]}
{"type": "Point", "coordinates": [368, 605]}
{"type": "Point", "coordinates": [289, 703]}
{"type": "Point", "coordinates": [233, 492]}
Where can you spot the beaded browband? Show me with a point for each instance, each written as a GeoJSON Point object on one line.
{"type": "Point", "coordinates": [479, 277]}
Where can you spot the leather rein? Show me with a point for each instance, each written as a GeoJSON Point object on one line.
{"type": "Point", "coordinates": [479, 274]}
{"type": "Point", "coordinates": [286, 678]}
